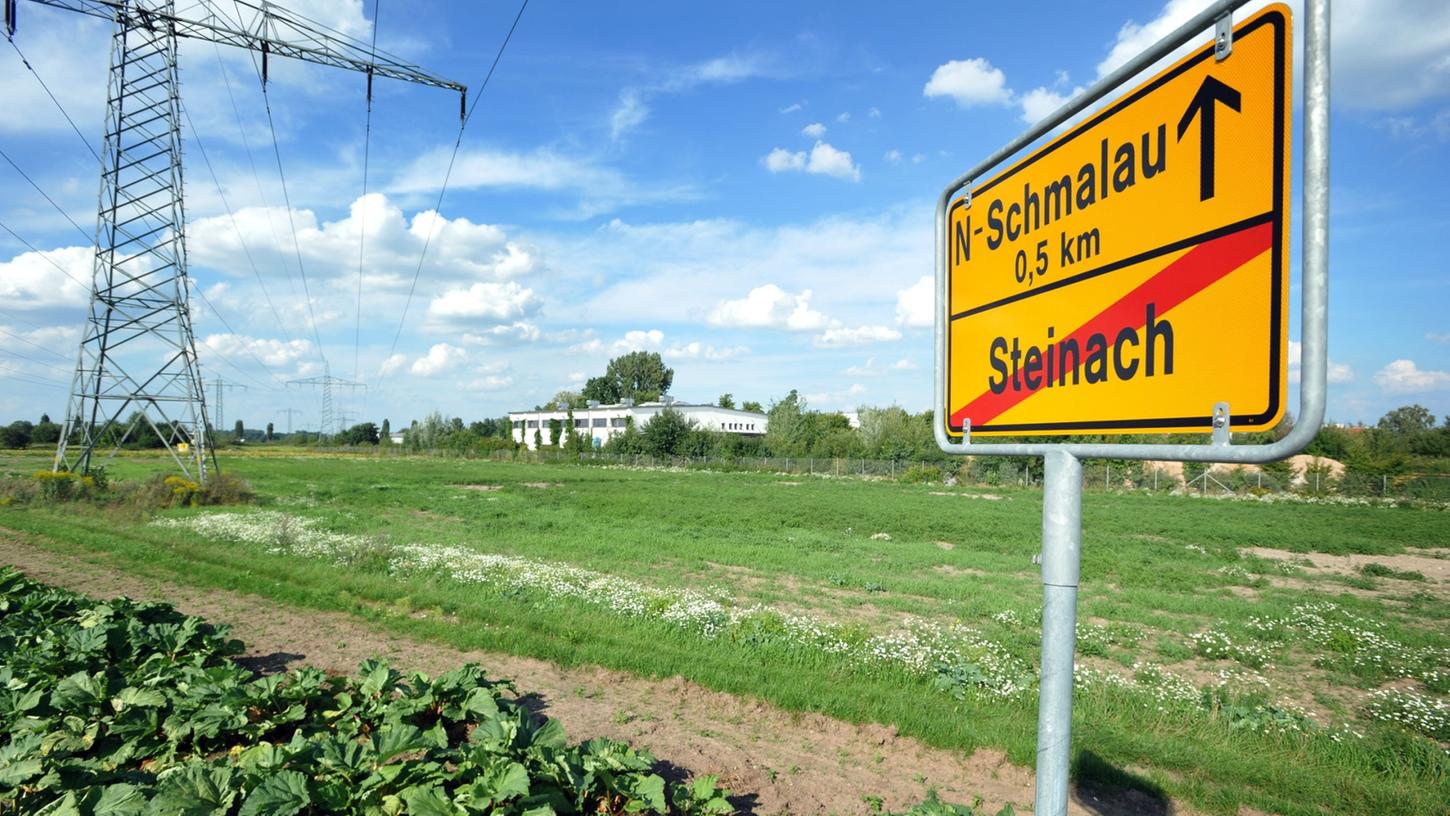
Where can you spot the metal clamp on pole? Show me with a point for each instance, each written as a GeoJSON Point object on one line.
{"type": "Point", "coordinates": [1223, 37]}
{"type": "Point", "coordinates": [1221, 430]}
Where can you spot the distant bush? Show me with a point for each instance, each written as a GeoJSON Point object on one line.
{"type": "Point", "coordinates": [917, 474]}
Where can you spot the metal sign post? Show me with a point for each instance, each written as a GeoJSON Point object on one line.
{"type": "Point", "coordinates": [1210, 412]}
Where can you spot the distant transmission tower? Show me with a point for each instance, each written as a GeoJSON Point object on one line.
{"type": "Point", "coordinates": [221, 386]}
{"type": "Point", "coordinates": [137, 362]}
{"type": "Point", "coordinates": [327, 382]}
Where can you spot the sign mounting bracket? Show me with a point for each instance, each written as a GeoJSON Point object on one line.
{"type": "Point", "coordinates": [1220, 424]}
{"type": "Point", "coordinates": [1223, 36]}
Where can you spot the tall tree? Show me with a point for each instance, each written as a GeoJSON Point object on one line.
{"type": "Point", "coordinates": [786, 427]}
{"type": "Point", "coordinates": [753, 406]}
{"type": "Point", "coordinates": [726, 400]}
{"type": "Point", "coordinates": [1407, 420]}
{"type": "Point", "coordinates": [640, 375]}
{"type": "Point", "coordinates": [603, 390]}
{"type": "Point", "coordinates": [270, 434]}
{"type": "Point", "coordinates": [387, 431]}
{"type": "Point", "coordinates": [666, 432]}
{"type": "Point", "coordinates": [565, 399]}
{"type": "Point", "coordinates": [238, 430]}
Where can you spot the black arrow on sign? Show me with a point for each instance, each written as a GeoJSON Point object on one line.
{"type": "Point", "coordinates": [1209, 92]}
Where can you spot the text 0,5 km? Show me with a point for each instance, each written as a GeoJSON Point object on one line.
{"type": "Point", "coordinates": [1071, 249]}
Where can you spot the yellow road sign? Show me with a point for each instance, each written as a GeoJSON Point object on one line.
{"type": "Point", "coordinates": [1132, 273]}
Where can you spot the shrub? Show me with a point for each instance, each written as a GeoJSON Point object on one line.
{"type": "Point", "coordinates": [916, 474]}
{"type": "Point", "coordinates": [63, 485]}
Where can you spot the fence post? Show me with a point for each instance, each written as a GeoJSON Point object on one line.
{"type": "Point", "coordinates": [1107, 469]}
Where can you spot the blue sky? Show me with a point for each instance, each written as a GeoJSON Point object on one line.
{"type": "Point", "coordinates": [746, 188]}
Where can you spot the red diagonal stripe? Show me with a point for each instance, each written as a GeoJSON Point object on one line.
{"type": "Point", "coordinates": [1193, 272]}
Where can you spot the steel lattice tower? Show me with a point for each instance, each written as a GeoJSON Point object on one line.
{"type": "Point", "coordinates": [137, 361]}
{"type": "Point", "coordinates": [137, 365]}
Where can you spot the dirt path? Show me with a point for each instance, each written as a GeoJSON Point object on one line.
{"type": "Point", "coordinates": [776, 761]}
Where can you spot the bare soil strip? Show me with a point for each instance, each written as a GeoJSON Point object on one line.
{"type": "Point", "coordinates": [775, 761]}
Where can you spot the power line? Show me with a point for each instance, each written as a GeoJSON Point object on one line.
{"type": "Point", "coordinates": [204, 300]}
{"type": "Point", "coordinates": [447, 175]}
{"type": "Point", "coordinates": [211, 170]}
{"type": "Point", "coordinates": [89, 238]}
{"type": "Point", "coordinates": [43, 255]}
{"type": "Point", "coordinates": [236, 226]}
{"type": "Point", "coordinates": [234, 333]}
{"type": "Point", "coordinates": [33, 380]}
{"type": "Point", "coordinates": [251, 160]}
{"type": "Point", "coordinates": [22, 338]}
{"type": "Point", "coordinates": [362, 236]}
{"type": "Point", "coordinates": [58, 106]}
{"type": "Point", "coordinates": [291, 221]}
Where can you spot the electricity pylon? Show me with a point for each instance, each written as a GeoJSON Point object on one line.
{"type": "Point", "coordinates": [220, 386]}
{"type": "Point", "coordinates": [138, 352]}
{"type": "Point", "coordinates": [327, 382]}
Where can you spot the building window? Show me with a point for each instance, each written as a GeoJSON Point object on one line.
{"type": "Point", "coordinates": [533, 423]}
{"type": "Point", "coordinates": [581, 423]}
{"type": "Point", "coordinates": [600, 422]}
{"type": "Point", "coordinates": [616, 422]}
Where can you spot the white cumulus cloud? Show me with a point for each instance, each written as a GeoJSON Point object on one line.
{"type": "Point", "coordinates": [30, 281]}
{"type": "Point", "coordinates": [393, 363]}
{"type": "Point", "coordinates": [915, 304]}
{"type": "Point", "coordinates": [442, 357]}
{"type": "Point", "coordinates": [969, 82]}
{"type": "Point", "coordinates": [272, 352]}
{"type": "Point", "coordinates": [1404, 377]}
{"type": "Point", "coordinates": [1039, 102]}
{"type": "Point", "coordinates": [484, 302]}
{"type": "Point", "coordinates": [769, 307]}
{"type": "Point", "coordinates": [823, 159]}
{"type": "Point", "coordinates": [815, 130]}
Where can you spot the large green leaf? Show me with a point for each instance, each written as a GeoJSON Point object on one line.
{"type": "Point", "coordinates": [194, 789]}
{"type": "Point", "coordinates": [132, 696]}
{"type": "Point", "coordinates": [500, 781]}
{"type": "Point", "coordinates": [394, 740]}
{"type": "Point", "coordinates": [78, 692]}
{"type": "Point", "coordinates": [284, 793]}
{"type": "Point", "coordinates": [429, 800]}
{"type": "Point", "coordinates": [67, 805]}
{"type": "Point", "coordinates": [481, 701]}
{"type": "Point", "coordinates": [549, 735]}
{"type": "Point", "coordinates": [646, 792]}
{"type": "Point", "coordinates": [120, 800]}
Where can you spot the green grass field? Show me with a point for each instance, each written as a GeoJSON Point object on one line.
{"type": "Point", "coordinates": [1213, 675]}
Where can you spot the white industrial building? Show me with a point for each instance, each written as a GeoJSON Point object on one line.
{"type": "Point", "coordinates": [600, 422]}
